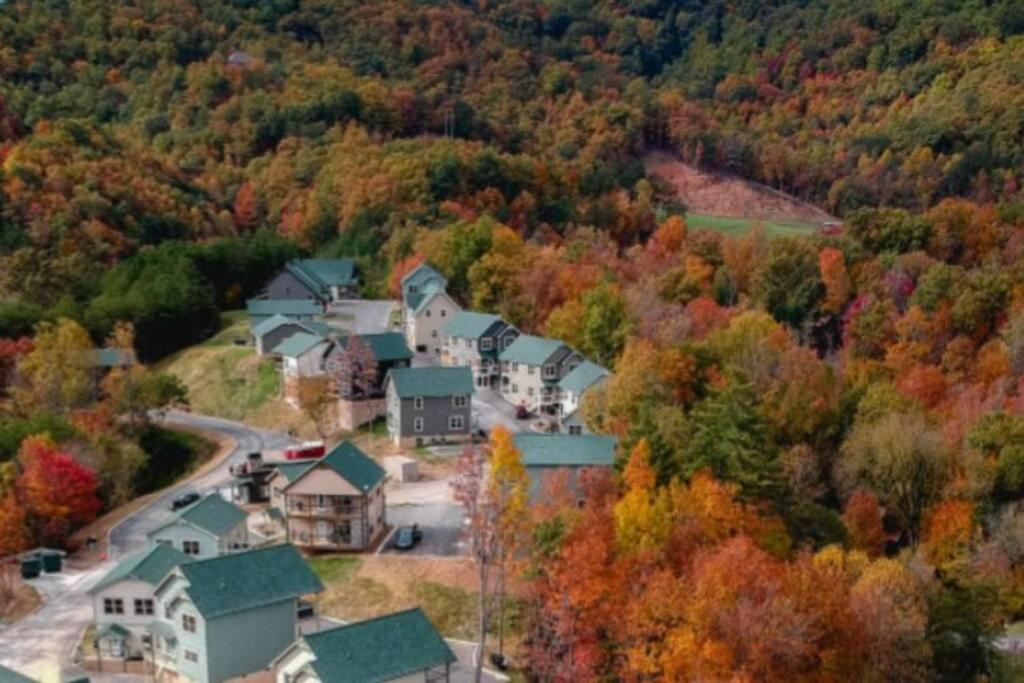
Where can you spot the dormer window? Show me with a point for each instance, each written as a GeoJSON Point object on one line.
{"type": "Point", "coordinates": [413, 289]}
{"type": "Point", "coordinates": [550, 371]}
{"type": "Point", "coordinates": [486, 344]}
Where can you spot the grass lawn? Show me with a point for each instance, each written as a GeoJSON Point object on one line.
{"type": "Point", "coordinates": [740, 226]}
{"type": "Point", "coordinates": [335, 568]}
{"type": "Point", "coordinates": [1015, 629]}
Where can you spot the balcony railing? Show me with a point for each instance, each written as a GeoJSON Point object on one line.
{"type": "Point", "coordinates": [303, 509]}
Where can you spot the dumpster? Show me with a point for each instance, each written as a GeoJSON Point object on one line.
{"type": "Point", "coordinates": [52, 561]}
{"type": "Point", "coordinates": [31, 567]}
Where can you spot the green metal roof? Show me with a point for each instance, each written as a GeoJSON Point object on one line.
{"type": "Point", "coordinates": [582, 377]}
{"type": "Point", "coordinates": [351, 464]}
{"type": "Point", "coordinates": [275, 321]}
{"type": "Point", "coordinates": [531, 350]}
{"type": "Point", "coordinates": [432, 382]}
{"type": "Point", "coordinates": [291, 470]}
{"type": "Point", "coordinates": [150, 566]}
{"type": "Point", "coordinates": [380, 649]}
{"type": "Point", "coordinates": [210, 513]}
{"type": "Point", "coordinates": [386, 346]}
{"type": "Point", "coordinates": [285, 307]}
{"type": "Point", "coordinates": [114, 358]}
{"type": "Point", "coordinates": [333, 272]}
{"type": "Point", "coordinates": [12, 676]}
{"type": "Point", "coordinates": [241, 581]}
{"type": "Point", "coordinates": [417, 302]}
{"type": "Point", "coordinates": [298, 344]}
{"type": "Point", "coordinates": [112, 630]}
{"type": "Point", "coordinates": [470, 324]}
{"type": "Point", "coordinates": [564, 450]}
{"type": "Point", "coordinates": [421, 273]}
{"type": "Point", "coordinates": [307, 277]}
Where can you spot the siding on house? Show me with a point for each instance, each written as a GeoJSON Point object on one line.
{"type": "Point", "coordinates": [474, 340]}
{"type": "Point", "coordinates": [531, 368]}
{"type": "Point", "coordinates": [426, 405]}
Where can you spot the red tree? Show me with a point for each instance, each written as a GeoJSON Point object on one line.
{"type": "Point", "coordinates": [58, 492]}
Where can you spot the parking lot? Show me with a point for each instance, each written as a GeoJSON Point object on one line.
{"type": "Point", "coordinates": [441, 524]}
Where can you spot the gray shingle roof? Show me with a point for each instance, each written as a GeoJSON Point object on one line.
{"type": "Point", "coordinates": [351, 464]}
{"type": "Point", "coordinates": [531, 349]}
{"type": "Point", "coordinates": [469, 324]}
{"type": "Point", "coordinates": [582, 377]}
{"type": "Point", "coordinates": [233, 583]}
{"type": "Point", "coordinates": [379, 649]}
{"type": "Point", "coordinates": [564, 450]}
{"type": "Point", "coordinates": [432, 382]}
{"type": "Point", "coordinates": [298, 344]}
{"type": "Point", "coordinates": [149, 566]}
{"type": "Point", "coordinates": [210, 513]}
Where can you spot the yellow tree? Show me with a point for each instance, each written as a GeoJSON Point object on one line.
{"type": "Point", "coordinates": [643, 521]}
{"type": "Point", "coordinates": [508, 490]}
{"type": "Point", "coordinates": [59, 372]}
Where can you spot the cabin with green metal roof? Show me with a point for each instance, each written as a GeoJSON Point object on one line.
{"type": "Point", "coordinates": [305, 310]}
{"type": "Point", "coordinates": [560, 455]}
{"type": "Point", "coordinates": [268, 334]}
{"type": "Point", "coordinates": [531, 369]}
{"type": "Point", "coordinates": [333, 503]}
{"type": "Point", "coordinates": [230, 616]}
{"type": "Point", "coordinates": [323, 280]}
{"type": "Point", "coordinates": [123, 603]}
{"type": "Point", "coordinates": [429, 405]}
{"type": "Point", "coordinates": [426, 308]}
{"type": "Point", "coordinates": [404, 646]}
{"type": "Point", "coordinates": [207, 528]}
{"type": "Point", "coordinates": [474, 340]}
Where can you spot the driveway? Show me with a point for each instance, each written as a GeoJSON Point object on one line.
{"type": "Point", "coordinates": [42, 643]}
{"type": "Point", "coordinates": [362, 316]}
{"type": "Point", "coordinates": [441, 524]}
{"type": "Point", "coordinates": [491, 410]}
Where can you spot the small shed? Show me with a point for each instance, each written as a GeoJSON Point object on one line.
{"type": "Point", "coordinates": [401, 468]}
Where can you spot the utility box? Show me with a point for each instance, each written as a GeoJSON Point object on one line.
{"type": "Point", "coordinates": [31, 567]}
{"type": "Point", "coordinates": [52, 561]}
{"type": "Point", "coordinates": [401, 468]}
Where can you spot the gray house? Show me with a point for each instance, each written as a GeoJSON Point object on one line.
{"type": "Point", "coordinates": [429, 405]}
{"type": "Point", "coordinates": [229, 616]}
{"type": "Point", "coordinates": [323, 280]}
{"type": "Point", "coordinates": [275, 329]}
{"type": "Point", "coordinates": [475, 340]}
{"type": "Point", "coordinates": [122, 601]}
{"type": "Point", "coordinates": [545, 455]}
{"type": "Point", "coordinates": [304, 310]}
{"type": "Point", "coordinates": [207, 528]}
{"type": "Point", "coordinates": [403, 646]}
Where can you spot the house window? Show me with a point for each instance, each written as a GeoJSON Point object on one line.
{"type": "Point", "coordinates": [459, 401]}
{"type": "Point", "coordinates": [188, 623]}
{"type": "Point", "coordinates": [485, 344]}
{"type": "Point", "coordinates": [417, 424]}
{"type": "Point", "coordinates": [456, 423]}
{"type": "Point", "coordinates": [529, 391]}
{"type": "Point", "coordinates": [413, 289]}
{"type": "Point", "coordinates": [444, 313]}
{"type": "Point", "coordinates": [529, 370]}
{"type": "Point", "coordinates": [575, 430]}
{"type": "Point", "coordinates": [433, 334]}
{"type": "Point", "coordinates": [113, 606]}
{"type": "Point", "coordinates": [428, 313]}
{"type": "Point", "coordinates": [550, 371]}
{"type": "Point", "coordinates": [515, 367]}
{"type": "Point", "coordinates": [143, 606]}
{"type": "Point", "coordinates": [190, 547]}
{"type": "Point", "coordinates": [417, 403]}
{"type": "Point", "coordinates": [515, 388]}
{"type": "Point", "coordinates": [191, 656]}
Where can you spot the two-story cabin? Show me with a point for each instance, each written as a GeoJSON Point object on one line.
{"type": "Point", "coordinates": [123, 603]}
{"type": "Point", "coordinates": [474, 340]}
{"type": "Point", "coordinates": [207, 528]}
{"type": "Point", "coordinates": [229, 616]}
{"type": "Point", "coordinates": [333, 503]}
{"type": "Point", "coordinates": [532, 367]}
{"type": "Point", "coordinates": [426, 307]}
{"type": "Point", "coordinates": [429, 405]}
{"type": "Point", "coordinates": [403, 647]}
{"type": "Point", "coordinates": [323, 280]}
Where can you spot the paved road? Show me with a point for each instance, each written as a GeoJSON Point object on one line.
{"type": "Point", "coordinates": [42, 643]}
{"type": "Point", "coordinates": [491, 410]}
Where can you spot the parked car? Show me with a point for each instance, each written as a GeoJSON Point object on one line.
{"type": "Point", "coordinates": [408, 536]}
{"type": "Point", "coordinates": [522, 413]}
{"type": "Point", "coordinates": [184, 500]}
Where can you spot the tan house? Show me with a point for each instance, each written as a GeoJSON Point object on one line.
{"type": "Point", "coordinates": [334, 503]}
{"type": "Point", "coordinates": [426, 308]}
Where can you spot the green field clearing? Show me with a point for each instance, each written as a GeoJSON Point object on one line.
{"type": "Point", "coordinates": [740, 226]}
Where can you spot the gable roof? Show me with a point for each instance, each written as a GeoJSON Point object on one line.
{"type": "Point", "coordinates": [298, 344]}
{"type": "Point", "coordinates": [431, 382]}
{"type": "Point", "coordinates": [470, 324]}
{"type": "Point", "coordinates": [582, 377]}
{"type": "Point", "coordinates": [418, 302]}
{"type": "Point", "coordinates": [12, 676]}
{"type": "Point", "coordinates": [565, 450]}
{"type": "Point", "coordinates": [292, 469]}
{"type": "Point", "coordinates": [149, 566]}
{"type": "Point", "coordinates": [349, 463]}
{"type": "Point", "coordinates": [211, 513]}
{"type": "Point", "coordinates": [379, 649]}
{"type": "Point", "coordinates": [240, 581]}
{"type": "Point", "coordinates": [333, 272]}
{"type": "Point", "coordinates": [421, 273]}
{"type": "Point", "coordinates": [385, 346]}
{"type": "Point", "coordinates": [285, 307]}
{"type": "Point", "coordinates": [530, 349]}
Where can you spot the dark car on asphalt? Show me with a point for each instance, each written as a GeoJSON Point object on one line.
{"type": "Point", "coordinates": [408, 536]}
{"type": "Point", "coordinates": [184, 500]}
{"type": "Point", "coordinates": [522, 412]}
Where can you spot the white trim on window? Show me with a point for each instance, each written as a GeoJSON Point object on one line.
{"type": "Point", "coordinates": [417, 424]}
{"type": "Point", "coordinates": [417, 403]}
{"type": "Point", "coordinates": [459, 401]}
{"type": "Point", "coordinates": [486, 344]}
{"type": "Point", "coordinates": [456, 423]}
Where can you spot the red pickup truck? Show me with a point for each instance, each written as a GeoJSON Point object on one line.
{"type": "Point", "coordinates": [305, 451]}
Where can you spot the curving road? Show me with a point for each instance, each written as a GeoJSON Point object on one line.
{"type": "Point", "coordinates": [43, 643]}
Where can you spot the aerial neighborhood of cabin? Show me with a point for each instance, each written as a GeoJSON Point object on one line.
{"type": "Point", "coordinates": [220, 578]}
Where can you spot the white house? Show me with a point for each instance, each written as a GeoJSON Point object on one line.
{"type": "Point", "coordinates": [207, 528]}
{"type": "Point", "coordinates": [572, 388]}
